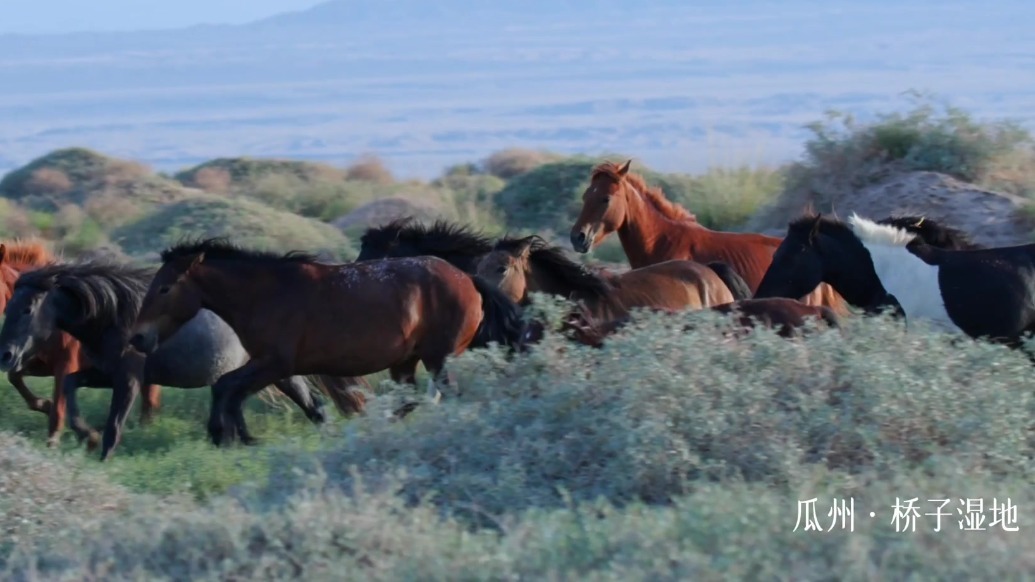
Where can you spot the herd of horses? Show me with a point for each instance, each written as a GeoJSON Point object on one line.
{"type": "Point", "coordinates": [239, 320]}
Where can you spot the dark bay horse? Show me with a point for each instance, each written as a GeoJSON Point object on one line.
{"type": "Point", "coordinates": [296, 315]}
{"type": "Point", "coordinates": [459, 244]}
{"type": "Point", "coordinates": [652, 229]}
{"type": "Point", "coordinates": [59, 355]}
{"type": "Point", "coordinates": [983, 293]}
{"type": "Point", "coordinates": [97, 302]}
{"type": "Point", "coordinates": [522, 265]}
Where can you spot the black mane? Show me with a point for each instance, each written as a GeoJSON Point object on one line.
{"type": "Point", "coordinates": [933, 233]}
{"type": "Point", "coordinates": [222, 248]}
{"type": "Point", "coordinates": [806, 224]}
{"type": "Point", "coordinates": [582, 281]}
{"type": "Point", "coordinates": [108, 293]}
{"type": "Point", "coordinates": [440, 238]}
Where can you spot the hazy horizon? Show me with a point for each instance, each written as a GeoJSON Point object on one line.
{"type": "Point", "coordinates": [426, 85]}
{"type": "Point", "coordinates": [68, 16]}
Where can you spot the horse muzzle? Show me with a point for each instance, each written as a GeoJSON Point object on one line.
{"type": "Point", "coordinates": [9, 360]}
{"type": "Point", "coordinates": [145, 343]}
{"type": "Point", "coordinates": [582, 240]}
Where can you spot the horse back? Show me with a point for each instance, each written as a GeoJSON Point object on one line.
{"type": "Point", "coordinates": [675, 284]}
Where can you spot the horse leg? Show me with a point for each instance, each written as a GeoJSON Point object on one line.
{"type": "Point", "coordinates": [91, 377]}
{"type": "Point", "coordinates": [435, 364]}
{"type": "Point", "coordinates": [298, 391]}
{"type": "Point", "coordinates": [126, 387]}
{"type": "Point", "coordinates": [405, 373]}
{"type": "Point", "coordinates": [56, 420]}
{"type": "Point", "coordinates": [230, 391]}
{"type": "Point", "coordinates": [151, 400]}
{"type": "Point", "coordinates": [17, 379]}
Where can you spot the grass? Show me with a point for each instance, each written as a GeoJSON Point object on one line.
{"type": "Point", "coordinates": [665, 455]}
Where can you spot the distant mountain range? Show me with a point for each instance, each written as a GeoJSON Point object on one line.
{"type": "Point", "coordinates": [425, 84]}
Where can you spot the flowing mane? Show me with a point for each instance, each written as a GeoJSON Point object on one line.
{"type": "Point", "coordinates": [583, 281]}
{"type": "Point", "coordinates": [651, 194]}
{"type": "Point", "coordinates": [934, 233]}
{"type": "Point", "coordinates": [108, 293]}
{"type": "Point", "coordinates": [865, 230]}
{"type": "Point", "coordinates": [222, 248]}
{"type": "Point", "coordinates": [28, 253]}
{"type": "Point", "coordinates": [440, 238]}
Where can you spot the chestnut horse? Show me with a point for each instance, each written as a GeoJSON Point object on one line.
{"type": "Point", "coordinates": [296, 315]}
{"type": "Point", "coordinates": [787, 316]}
{"type": "Point", "coordinates": [522, 265]}
{"type": "Point", "coordinates": [58, 356]}
{"type": "Point", "coordinates": [653, 229]}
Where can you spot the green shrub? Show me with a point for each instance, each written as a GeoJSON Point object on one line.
{"type": "Point", "coordinates": [843, 153]}
{"type": "Point", "coordinates": [246, 222]}
{"type": "Point", "coordinates": [664, 455]}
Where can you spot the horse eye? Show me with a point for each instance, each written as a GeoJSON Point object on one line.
{"type": "Point", "coordinates": [501, 270]}
{"type": "Point", "coordinates": [163, 290]}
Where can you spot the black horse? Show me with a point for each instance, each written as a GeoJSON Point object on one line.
{"type": "Point", "coordinates": [984, 293]}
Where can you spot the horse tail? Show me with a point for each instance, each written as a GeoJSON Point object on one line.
{"type": "Point", "coordinates": [737, 285]}
{"type": "Point", "coordinates": [343, 392]}
{"type": "Point", "coordinates": [501, 318]}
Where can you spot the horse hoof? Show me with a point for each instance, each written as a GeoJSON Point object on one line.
{"type": "Point", "coordinates": [44, 406]}
{"type": "Point", "coordinates": [402, 411]}
{"type": "Point", "coordinates": [53, 442]}
{"type": "Point", "coordinates": [92, 442]}
{"type": "Point", "coordinates": [249, 441]}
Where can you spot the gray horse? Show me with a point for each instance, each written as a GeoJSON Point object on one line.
{"type": "Point", "coordinates": [96, 302]}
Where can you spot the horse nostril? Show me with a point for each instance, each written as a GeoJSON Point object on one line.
{"type": "Point", "coordinates": [6, 357]}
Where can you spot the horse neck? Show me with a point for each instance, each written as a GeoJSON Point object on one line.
{"type": "Point", "coordinates": [228, 288]}
{"type": "Point", "coordinates": [9, 276]}
{"type": "Point", "coordinates": [644, 230]}
{"type": "Point", "coordinates": [541, 280]}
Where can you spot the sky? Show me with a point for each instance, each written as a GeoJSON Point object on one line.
{"type": "Point", "coordinates": [57, 16]}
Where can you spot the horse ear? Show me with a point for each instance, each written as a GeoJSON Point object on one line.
{"type": "Point", "coordinates": [815, 227]}
{"type": "Point", "coordinates": [526, 247]}
{"type": "Point", "coordinates": [625, 168]}
{"type": "Point", "coordinates": [196, 260]}
{"type": "Point", "coordinates": [917, 225]}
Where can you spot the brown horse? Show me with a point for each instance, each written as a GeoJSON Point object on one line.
{"type": "Point", "coordinates": [787, 316]}
{"type": "Point", "coordinates": [296, 315]}
{"type": "Point", "coordinates": [653, 229]}
{"type": "Point", "coordinates": [522, 265]}
{"type": "Point", "coordinates": [58, 356]}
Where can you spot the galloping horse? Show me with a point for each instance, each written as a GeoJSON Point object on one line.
{"type": "Point", "coordinates": [296, 315]}
{"type": "Point", "coordinates": [522, 265]}
{"type": "Point", "coordinates": [96, 302]}
{"type": "Point", "coordinates": [58, 356]}
{"type": "Point", "coordinates": [984, 293]}
{"type": "Point", "coordinates": [458, 244]}
{"type": "Point", "coordinates": [653, 229]}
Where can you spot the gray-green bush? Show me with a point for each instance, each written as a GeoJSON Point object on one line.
{"type": "Point", "coordinates": [666, 454]}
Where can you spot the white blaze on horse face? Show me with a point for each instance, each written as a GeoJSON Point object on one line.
{"type": "Point", "coordinates": [912, 281]}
